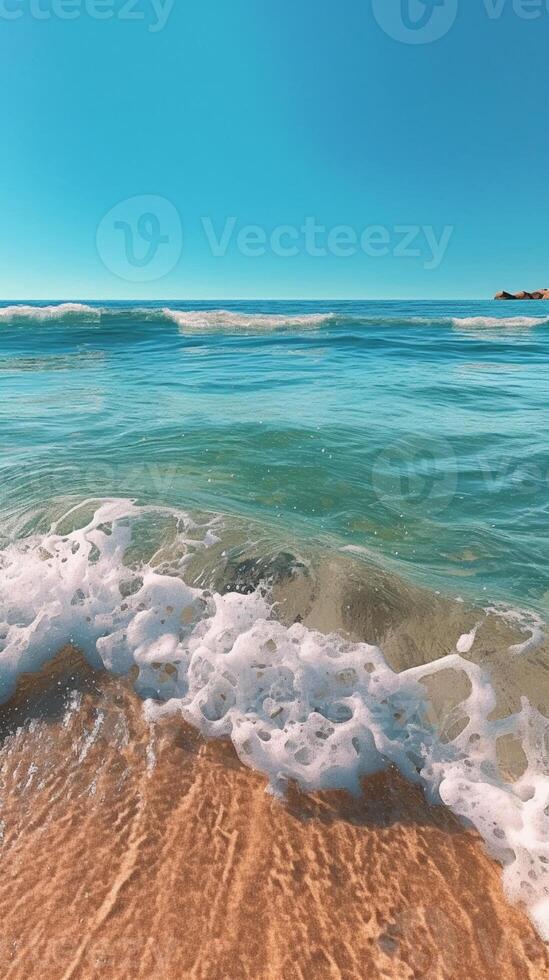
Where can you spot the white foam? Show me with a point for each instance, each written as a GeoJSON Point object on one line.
{"type": "Point", "coordinates": [40, 313]}
{"type": "Point", "coordinates": [480, 322]}
{"type": "Point", "coordinates": [466, 641]}
{"type": "Point", "coordinates": [197, 321]}
{"type": "Point", "coordinates": [528, 622]}
{"type": "Point", "coordinates": [208, 320]}
{"type": "Point", "coordinates": [297, 704]}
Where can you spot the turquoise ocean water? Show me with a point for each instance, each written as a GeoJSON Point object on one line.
{"type": "Point", "coordinates": [417, 432]}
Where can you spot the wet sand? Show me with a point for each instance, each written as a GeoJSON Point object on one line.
{"type": "Point", "coordinates": [128, 852]}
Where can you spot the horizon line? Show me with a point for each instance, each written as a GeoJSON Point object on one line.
{"type": "Point", "coordinates": [251, 299]}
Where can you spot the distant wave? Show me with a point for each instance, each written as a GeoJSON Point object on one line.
{"type": "Point", "coordinates": [196, 320]}
{"type": "Point", "coordinates": [186, 320]}
{"type": "Point", "coordinates": [478, 322]}
{"type": "Point", "coordinates": [54, 312]}
{"type": "Point", "coordinates": [235, 321]}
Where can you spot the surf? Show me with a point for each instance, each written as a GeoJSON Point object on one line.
{"type": "Point", "coordinates": [221, 320]}
{"type": "Point", "coordinates": [297, 704]}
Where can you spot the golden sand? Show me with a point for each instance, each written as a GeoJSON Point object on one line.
{"type": "Point", "coordinates": [128, 853]}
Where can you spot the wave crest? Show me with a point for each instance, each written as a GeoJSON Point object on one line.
{"type": "Point", "coordinates": [480, 322]}
{"type": "Point", "coordinates": [56, 311]}
{"type": "Point", "coordinates": [203, 320]}
{"type": "Point", "coordinates": [235, 321]}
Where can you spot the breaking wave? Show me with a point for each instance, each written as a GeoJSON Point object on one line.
{"type": "Point", "coordinates": [58, 311]}
{"type": "Point", "coordinates": [196, 320]}
{"type": "Point", "coordinates": [233, 321]}
{"type": "Point", "coordinates": [480, 322]}
{"type": "Point", "coordinates": [297, 704]}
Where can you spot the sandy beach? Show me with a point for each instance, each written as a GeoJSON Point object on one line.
{"type": "Point", "coordinates": [274, 491]}
{"type": "Point", "coordinates": [132, 852]}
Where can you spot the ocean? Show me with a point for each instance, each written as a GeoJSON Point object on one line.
{"type": "Point", "coordinates": [319, 529]}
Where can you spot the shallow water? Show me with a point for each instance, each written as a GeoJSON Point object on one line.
{"type": "Point", "coordinates": [338, 552]}
{"type": "Point", "coordinates": [414, 431]}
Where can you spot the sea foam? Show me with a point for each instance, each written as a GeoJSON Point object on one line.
{"type": "Point", "coordinates": [494, 322]}
{"type": "Point", "coordinates": [235, 321]}
{"type": "Point", "coordinates": [205, 320]}
{"type": "Point", "coordinates": [53, 312]}
{"type": "Point", "coordinates": [297, 704]}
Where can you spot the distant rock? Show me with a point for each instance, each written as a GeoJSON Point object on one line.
{"type": "Point", "coordinates": [538, 294]}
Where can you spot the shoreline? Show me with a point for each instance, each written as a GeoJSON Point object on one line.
{"type": "Point", "coordinates": [156, 853]}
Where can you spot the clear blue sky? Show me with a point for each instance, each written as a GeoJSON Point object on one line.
{"type": "Point", "coordinates": [273, 112]}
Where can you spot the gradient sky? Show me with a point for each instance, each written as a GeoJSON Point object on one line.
{"type": "Point", "coordinates": [272, 112]}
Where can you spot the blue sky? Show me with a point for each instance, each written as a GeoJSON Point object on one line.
{"type": "Point", "coordinates": [200, 117]}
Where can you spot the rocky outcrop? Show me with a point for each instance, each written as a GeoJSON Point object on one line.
{"type": "Point", "coordinates": [538, 294]}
